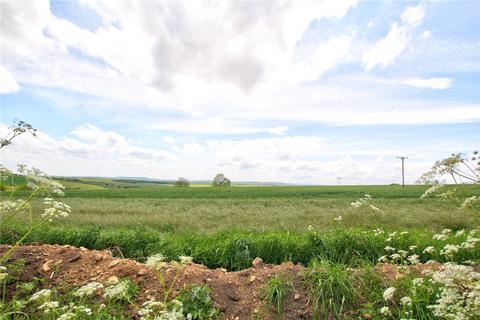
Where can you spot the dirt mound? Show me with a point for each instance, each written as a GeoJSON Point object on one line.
{"type": "Point", "coordinates": [237, 294]}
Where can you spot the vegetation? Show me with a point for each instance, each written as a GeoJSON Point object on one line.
{"type": "Point", "coordinates": [182, 182]}
{"type": "Point", "coordinates": [277, 289]}
{"type": "Point", "coordinates": [221, 181]}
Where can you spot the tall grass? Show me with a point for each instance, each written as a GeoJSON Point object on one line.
{"type": "Point", "coordinates": [233, 250]}
{"type": "Point", "coordinates": [330, 288]}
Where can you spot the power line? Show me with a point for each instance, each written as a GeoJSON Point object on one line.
{"type": "Point", "coordinates": [403, 169]}
{"type": "Point", "coordinates": [338, 180]}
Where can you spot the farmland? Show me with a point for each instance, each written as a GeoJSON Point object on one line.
{"type": "Point", "coordinates": [315, 227]}
{"type": "Point", "coordinates": [244, 222]}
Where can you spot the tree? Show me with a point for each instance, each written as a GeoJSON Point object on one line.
{"type": "Point", "coordinates": [221, 181]}
{"type": "Point", "coordinates": [182, 182]}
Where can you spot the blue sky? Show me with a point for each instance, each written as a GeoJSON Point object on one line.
{"type": "Point", "coordinates": [268, 91]}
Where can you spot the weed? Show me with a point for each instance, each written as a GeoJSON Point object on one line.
{"type": "Point", "coordinates": [277, 289]}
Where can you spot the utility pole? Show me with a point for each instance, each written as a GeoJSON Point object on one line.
{"type": "Point", "coordinates": [403, 169]}
{"type": "Point", "coordinates": [338, 180]}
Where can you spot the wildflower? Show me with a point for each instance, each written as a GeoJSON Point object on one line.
{"type": "Point", "coordinates": [396, 256]}
{"type": "Point", "coordinates": [434, 188]}
{"type": "Point", "coordinates": [156, 262]}
{"type": "Point", "coordinates": [404, 233]}
{"type": "Point", "coordinates": [41, 295]}
{"type": "Point", "coordinates": [119, 291]}
{"type": "Point", "coordinates": [338, 219]}
{"type": "Point", "coordinates": [378, 232]}
{"type": "Point", "coordinates": [67, 316]}
{"type": "Point", "coordinates": [469, 201]}
{"type": "Point", "coordinates": [417, 281]}
{"type": "Point", "coordinates": [388, 248]}
{"type": "Point", "coordinates": [388, 293]}
{"type": "Point", "coordinates": [441, 237]}
{"type": "Point", "coordinates": [48, 306]}
{"type": "Point", "coordinates": [310, 228]}
{"type": "Point", "coordinates": [406, 301]}
{"type": "Point", "coordinates": [449, 250]}
{"type": "Point", "coordinates": [403, 253]}
{"type": "Point", "coordinates": [56, 209]}
{"type": "Point", "coordinates": [460, 292]}
{"type": "Point", "coordinates": [89, 289]}
{"type": "Point", "coordinates": [429, 249]}
{"type": "Point", "coordinates": [385, 311]}
{"type": "Point", "coordinates": [413, 259]}
{"type": "Point", "coordinates": [460, 233]}
{"type": "Point", "coordinates": [412, 248]}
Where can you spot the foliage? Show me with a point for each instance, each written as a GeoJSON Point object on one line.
{"type": "Point", "coordinates": [330, 289]}
{"type": "Point", "coordinates": [182, 182]}
{"type": "Point", "coordinates": [197, 302]}
{"type": "Point", "coordinates": [221, 181]}
{"type": "Point", "coordinates": [277, 289]}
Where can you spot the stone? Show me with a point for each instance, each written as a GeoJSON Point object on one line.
{"type": "Point", "coordinates": [252, 278]}
{"type": "Point", "coordinates": [50, 264]}
{"type": "Point", "coordinates": [257, 262]}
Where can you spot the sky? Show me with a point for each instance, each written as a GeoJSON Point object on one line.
{"type": "Point", "coordinates": [297, 92]}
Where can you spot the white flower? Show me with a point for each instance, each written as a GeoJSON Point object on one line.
{"type": "Point", "coordinates": [385, 311]}
{"type": "Point", "coordinates": [388, 293]}
{"type": "Point", "coordinates": [388, 248]}
{"type": "Point", "coordinates": [48, 306]}
{"type": "Point", "coordinates": [449, 250]}
{"type": "Point", "coordinates": [157, 262]}
{"type": "Point", "coordinates": [412, 248]}
{"type": "Point", "coordinates": [406, 301]}
{"type": "Point", "coordinates": [118, 291]}
{"type": "Point", "coordinates": [469, 201]}
{"type": "Point", "coordinates": [417, 281]}
{"type": "Point", "coordinates": [432, 189]}
{"type": "Point", "coordinates": [67, 316]}
{"type": "Point", "coordinates": [429, 249]}
{"type": "Point", "coordinates": [310, 228]}
{"type": "Point", "coordinates": [460, 233]}
{"type": "Point", "coordinates": [89, 289]}
{"type": "Point", "coordinates": [441, 237]}
{"type": "Point", "coordinates": [413, 259]}
{"type": "Point", "coordinates": [41, 295]}
{"type": "Point", "coordinates": [339, 218]}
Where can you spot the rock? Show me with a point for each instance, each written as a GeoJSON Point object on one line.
{"type": "Point", "coordinates": [50, 264]}
{"type": "Point", "coordinates": [208, 280]}
{"type": "Point", "coordinates": [142, 272]}
{"type": "Point", "coordinates": [223, 269]}
{"type": "Point", "coordinates": [252, 278]}
{"type": "Point", "coordinates": [257, 262]}
{"type": "Point", "coordinates": [98, 257]}
{"type": "Point", "coordinates": [233, 296]}
{"type": "Point", "coordinates": [75, 257]}
{"type": "Point", "coordinates": [296, 296]}
{"type": "Point", "coordinates": [113, 280]}
{"type": "Point", "coordinates": [113, 263]}
{"type": "Point", "coordinates": [83, 249]}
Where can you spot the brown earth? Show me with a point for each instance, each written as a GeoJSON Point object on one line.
{"type": "Point", "coordinates": [238, 295]}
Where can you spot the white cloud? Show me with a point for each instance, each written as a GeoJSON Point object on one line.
{"type": "Point", "coordinates": [431, 83]}
{"type": "Point", "coordinates": [386, 50]}
{"type": "Point", "coordinates": [427, 34]}
{"type": "Point", "coordinates": [7, 82]}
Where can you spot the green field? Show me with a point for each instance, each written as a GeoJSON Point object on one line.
{"type": "Point", "coordinates": [228, 227]}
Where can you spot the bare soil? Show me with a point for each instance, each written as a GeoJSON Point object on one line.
{"type": "Point", "coordinates": [238, 295]}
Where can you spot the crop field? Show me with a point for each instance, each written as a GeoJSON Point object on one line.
{"type": "Point", "coordinates": [228, 227]}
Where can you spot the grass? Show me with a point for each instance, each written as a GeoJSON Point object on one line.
{"type": "Point", "coordinates": [331, 289]}
{"type": "Point", "coordinates": [229, 227]}
{"type": "Point", "coordinates": [277, 289]}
